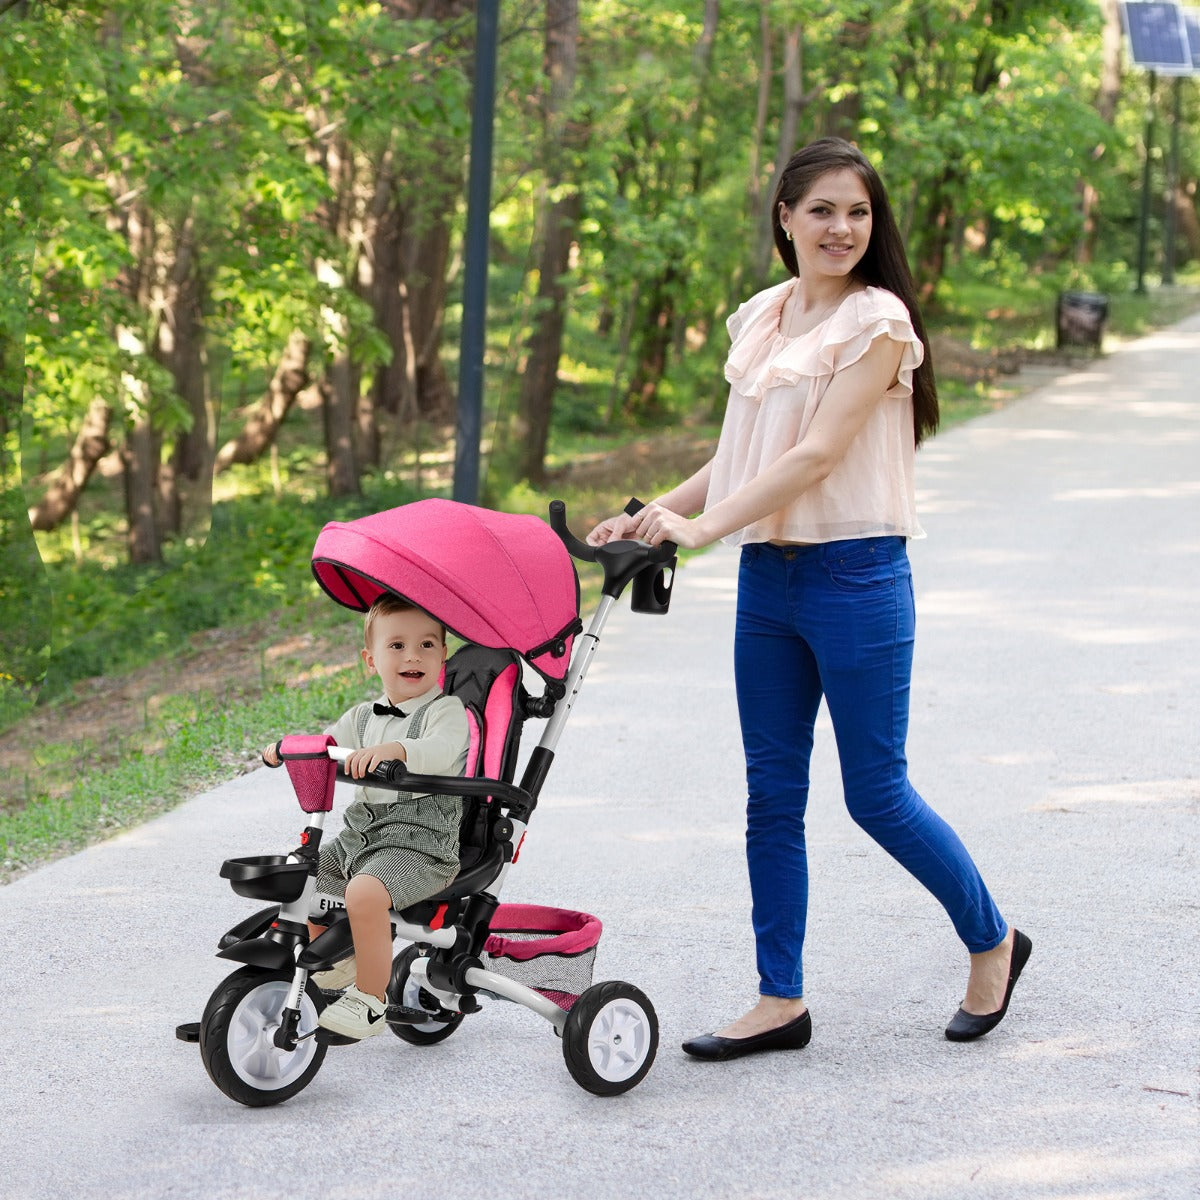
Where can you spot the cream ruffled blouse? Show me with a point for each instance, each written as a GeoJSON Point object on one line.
{"type": "Point", "coordinates": [776, 385]}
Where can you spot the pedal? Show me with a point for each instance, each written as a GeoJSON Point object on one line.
{"type": "Point", "coordinates": [326, 1037]}
{"type": "Point", "coordinates": [189, 1032]}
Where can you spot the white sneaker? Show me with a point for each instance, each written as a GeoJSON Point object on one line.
{"type": "Point", "coordinates": [340, 976]}
{"type": "Point", "coordinates": [355, 1015]}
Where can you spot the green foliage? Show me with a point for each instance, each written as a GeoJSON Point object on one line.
{"type": "Point", "coordinates": [25, 628]}
{"type": "Point", "coordinates": [134, 133]}
{"type": "Point", "coordinates": [110, 618]}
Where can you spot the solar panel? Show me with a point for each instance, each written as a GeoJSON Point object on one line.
{"type": "Point", "coordinates": [1158, 37]}
{"type": "Point", "coordinates": [1191, 19]}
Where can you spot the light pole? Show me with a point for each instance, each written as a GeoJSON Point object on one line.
{"type": "Point", "coordinates": [475, 268]}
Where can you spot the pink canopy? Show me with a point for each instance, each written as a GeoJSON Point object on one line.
{"type": "Point", "coordinates": [496, 579]}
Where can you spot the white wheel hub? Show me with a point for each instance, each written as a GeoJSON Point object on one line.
{"type": "Point", "coordinates": [619, 1039]}
{"type": "Point", "coordinates": [251, 1038]}
{"type": "Point", "coordinates": [411, 997]}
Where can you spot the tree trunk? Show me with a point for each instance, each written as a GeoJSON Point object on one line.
{"type": "Point", "coordinates": [938, 227]}
{"type": "Point", "coordinates": [182, 350]}
{"type": "Point", "coordinates": [843, 115]}
{"type": "Point", "coordinates": [139, 454]}
{"type": "Point", "coordinates": [940, 211]}
{"type": "Point", "coordinates": [341, 468]}
{"type": "Point", "coordinates": [1107, 98]}
{"type": "Point", "coordinates": [67, 484]}
{"type": "Point", "coordinates": [263, 422]}
{"type": "Point", "coordinates": [410, 264]}
{"type": "Point", "coordinates": [558, 219]}
{"type": "Point", "coordinates": [426, 255]}
{"type": "Point", "coordinates": [655, 324]}
{"type": "Point", "coordinates": [131, 220]}
{"type": "Point", "coordinates": [794, 103]}
{"type": "Point", "coordinates": [412, 253]}
{"type": "Point", "coordinates": [394, 388]}
{"type": "Point", "coordinates": [757, 206]}
{"type": "Point", "coordinates": [1187, 222]}
{"type": "Point", "coordinates": [179, 347]}
{"type": "Point", "coordinates": [338, 388]}
{"type": "Point", "coordinates": [139, 457]}
{"type": "Point", "coordinates": [658, 319]}
{"type": "Point", "coordinates": [412, 257]}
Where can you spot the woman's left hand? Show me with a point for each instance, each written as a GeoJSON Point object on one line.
{"type": "Point", "coordinates": [655, 524]}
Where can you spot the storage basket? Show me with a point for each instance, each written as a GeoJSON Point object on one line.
{"type": "Point", "coordinates": [551, 950]}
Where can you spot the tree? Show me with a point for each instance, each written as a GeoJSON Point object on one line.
{"type": "Point", "coordinates": [558, 217]}
{"type": "Point", "coordinates": [33, 45]}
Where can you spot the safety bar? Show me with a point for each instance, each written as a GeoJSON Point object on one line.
{"type": "Point", "coordinates": [396, 777]}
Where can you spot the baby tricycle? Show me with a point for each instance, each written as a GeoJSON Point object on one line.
{"type": "Point", "coordinates": [507, 587]}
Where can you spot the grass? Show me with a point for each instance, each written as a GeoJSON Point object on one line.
{"type": "Point", "coordinates": [252, 579]}
{"type": "Point", "coordinates": [196, 741]}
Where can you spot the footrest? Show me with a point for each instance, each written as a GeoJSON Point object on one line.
{"type": "Point", "coordinates": [189, 1032]}
{"type": "Point", "coordinates": [400, 1014]}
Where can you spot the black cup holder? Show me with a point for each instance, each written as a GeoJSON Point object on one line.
{"type": "Point", "coordinates": [266, 877]}
{"type": "Point", "coordinates": [652, 589]}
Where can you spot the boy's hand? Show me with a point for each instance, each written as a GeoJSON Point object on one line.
{"type": "Point", "coordinates": [270, 755]}
{"type": "Point", "coordinates": [363, 762]}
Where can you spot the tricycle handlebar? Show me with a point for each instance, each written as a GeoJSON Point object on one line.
{"type": "Point", "coordinates": [395, 776]}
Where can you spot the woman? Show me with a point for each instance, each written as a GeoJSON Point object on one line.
{"type": "Point", "coordinates": [831, 392]}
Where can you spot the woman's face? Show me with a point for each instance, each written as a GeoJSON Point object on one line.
{"type": "Point", "coordinates": [830, 225]}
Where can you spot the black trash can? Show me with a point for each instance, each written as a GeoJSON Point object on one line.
{"type": "Point", "coordinates": [1079, 318]}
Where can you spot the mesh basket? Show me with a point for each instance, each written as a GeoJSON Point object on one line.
{"type": "Point", "coordinates": [548, 949]}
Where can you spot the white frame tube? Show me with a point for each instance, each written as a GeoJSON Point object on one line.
{"type": "Point", "coordinates": [584, 651]}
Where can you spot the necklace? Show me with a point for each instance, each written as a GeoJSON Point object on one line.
{"type": "Point", "coordinates": [806, 323]}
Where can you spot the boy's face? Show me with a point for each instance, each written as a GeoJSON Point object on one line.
{"type": "Point", "coordinates": [406, 652]}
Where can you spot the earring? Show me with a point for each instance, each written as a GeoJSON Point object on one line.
{"type": "Point", "coordinates": [788, 234]}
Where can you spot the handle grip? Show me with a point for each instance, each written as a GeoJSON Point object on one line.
{"type": "Point", "coordinates": [664, 550]}
{"type": "Point", "coordinates": [387, 772]}
{"type": "Point", "coordinates": [558, 522]}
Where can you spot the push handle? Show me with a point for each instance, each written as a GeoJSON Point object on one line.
{"type": "Point", "coordinates": [558, 522]}
{"type": "Point", "coordinates": [585, 553]}
{"type": "Point", "coordinates": [624, 561]}
{"type": "Point", "coordinates": [664, 550]}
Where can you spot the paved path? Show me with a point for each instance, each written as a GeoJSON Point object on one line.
{"type": "Point", "coordinates": [1056, 723]}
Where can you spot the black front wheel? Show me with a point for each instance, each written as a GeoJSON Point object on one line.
{"type": "Point", "coordinates": [405, 991]}
{"type": "Point", "coordinates": [237, 1037]}
{"type": "Point", "coordinates": [610, 1038]}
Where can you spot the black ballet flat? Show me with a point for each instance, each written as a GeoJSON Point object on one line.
{"type": "Point", "coordinates": [965, 1026]}
{"type": "Point", "coordinates": [794, 1035]}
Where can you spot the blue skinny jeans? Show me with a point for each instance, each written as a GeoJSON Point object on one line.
{"type": "Point", "coordinates": [837, 620]}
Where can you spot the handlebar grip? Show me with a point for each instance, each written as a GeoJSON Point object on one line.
{"type": "Point", "coordinates": [664, 550]}
{"type": "Point", "coordinates": [391, 772]}
{"type": "Point", "coordinates": [558, 522]}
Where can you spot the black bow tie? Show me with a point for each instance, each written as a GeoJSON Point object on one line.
{"type": "Point", "coordinates": [387, 710]}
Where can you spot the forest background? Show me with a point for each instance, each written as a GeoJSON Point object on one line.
{"type": "Point", "coordinates": [232, 292]}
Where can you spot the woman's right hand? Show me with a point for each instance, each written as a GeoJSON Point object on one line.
{"type": "Point", "coordinates": [615, 529]}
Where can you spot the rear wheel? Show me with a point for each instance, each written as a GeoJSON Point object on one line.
{"type": "Point", "coordinates": [407, 991]}
{"type": "Point", "coordinates": [237, 1037]}
{"type": "Point", "coordinates": [610, 1038]}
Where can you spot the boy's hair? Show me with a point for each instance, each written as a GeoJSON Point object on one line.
{"type": "Point", "coordinates": [387, 604]}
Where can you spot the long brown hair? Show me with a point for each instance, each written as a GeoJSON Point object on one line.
{"type": "Point", "coordinates": [884, 264]}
